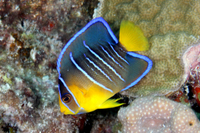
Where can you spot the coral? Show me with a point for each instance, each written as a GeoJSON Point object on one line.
{"type": "Point", "coordinates": [32, 34]}
{"type": "Point", "coordinates": [31, 104]}
{"type": "Point", "coordinates": [158, 115]}
{"type": "Point", "coordinates": [170, 26]}
{"type": "Point", "coordinates": [154, 17]}
{"type": "Point", "coordinates": [167, 73]}
{"type": "Point", "coordinates": [180, 96]}
{"type": "Point", "coordinates": [191, 59]}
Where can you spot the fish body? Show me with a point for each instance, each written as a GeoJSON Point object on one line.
{"type": "Point", "coordinates": [94, 65]}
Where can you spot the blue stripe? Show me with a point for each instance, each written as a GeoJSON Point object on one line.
{"type": "Point", "coordinates": [85, 73]}
{"type": "Point", "coordinates": [103, 61]}
{"type": "Point", "coordinates": [97, 68]}
{"type": "Point", "coordinates": [149, 66]}
{"type": "Point", "coordinates": [69, 92]}
{"type": "Point", "coordinates": [117, 53]}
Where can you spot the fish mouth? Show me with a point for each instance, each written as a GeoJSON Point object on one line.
{"type": "Point", "coordinates": [81, 111]}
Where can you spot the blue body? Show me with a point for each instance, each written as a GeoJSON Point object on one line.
{"type": "Point", "coordinates": [95, 54]}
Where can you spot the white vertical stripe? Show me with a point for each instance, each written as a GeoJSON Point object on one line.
{"type": "Point", "coordinates": [98, 68]}
{"type": "Point", "coordinates": [111, 57]}
{"type": "Point", "coordinates": [118, 54]}
{"type": "Point", "coordinates": [118, 75]}
{"type": "Point", "coordinates": [85, 73]}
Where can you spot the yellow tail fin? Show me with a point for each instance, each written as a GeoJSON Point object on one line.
{"type": "Point", "coordinates": [132, 37]}
{"type": "Point", "coordinates": [110, 103]}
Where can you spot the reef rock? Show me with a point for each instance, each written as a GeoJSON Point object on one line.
{"type": "Point", "coordinates": [191, 59]}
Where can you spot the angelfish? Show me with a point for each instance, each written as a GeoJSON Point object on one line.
{"type": "Point", "coordinates": [94, 65]}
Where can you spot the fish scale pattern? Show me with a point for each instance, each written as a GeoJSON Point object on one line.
{"type": "Point", "coordinates": [158, 115]}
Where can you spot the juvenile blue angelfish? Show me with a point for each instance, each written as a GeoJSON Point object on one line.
{"type": "Point", "coordinates": [94, 65]}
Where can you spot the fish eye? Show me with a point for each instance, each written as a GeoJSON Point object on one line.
{"type": "Point", "coordinates": [66, 98]}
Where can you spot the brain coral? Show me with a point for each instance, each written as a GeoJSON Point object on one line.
{"type": "Point", "coordinates": [158, 115]}
{"type": "Point", "coordinates": [171, 26]}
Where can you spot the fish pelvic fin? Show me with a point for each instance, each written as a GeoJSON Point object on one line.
{"type": "Point", "coordinates": [132, 37]}
{"type": "Point", "coordinates": [110, 103]}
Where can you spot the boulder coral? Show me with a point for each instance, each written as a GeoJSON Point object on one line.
{"type": "Point", "coordinates": [153, 16]}
{"type": "Point", "coordinates": [158, 115]}
{"type": "Point", "coordinates": [171, 26]}
{"type": "Point", "coordinates": [167, 73]}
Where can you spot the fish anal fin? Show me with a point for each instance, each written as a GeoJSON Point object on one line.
{"type": "Point", "coordinates": [110, 103]}
{"type": "Point", "coordinates": [132, 37]}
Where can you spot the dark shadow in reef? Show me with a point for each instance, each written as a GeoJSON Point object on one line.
{"type": "Point", "coordinates": [103, 114]}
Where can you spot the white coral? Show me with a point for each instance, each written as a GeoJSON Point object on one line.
{"type": "Point", "coordinates": [158, 115]}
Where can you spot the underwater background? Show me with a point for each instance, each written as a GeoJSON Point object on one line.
{"type": "Point", "coordinates": [33, 32]}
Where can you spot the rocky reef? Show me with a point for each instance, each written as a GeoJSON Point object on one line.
{"type": "Point", "coordinates": [33, 32]}
{"type": "Point", "coordinates": [31, 38]}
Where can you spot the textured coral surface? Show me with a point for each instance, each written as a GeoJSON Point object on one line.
{"type": "Point", "coordinates": [158, 115]}
{"type": "Point", "coordinates": [191, 59]}
{"type": "Point", "coordinates": [32, 34]}
{"type": "Point", "coordinates": [170, 25]}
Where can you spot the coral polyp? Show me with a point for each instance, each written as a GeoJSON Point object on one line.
{"type": "Point", "coordinates": [158, 115]}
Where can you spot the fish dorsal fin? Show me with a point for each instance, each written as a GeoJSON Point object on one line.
{"type": "Point", "coordinates": [94, 32]}
{"type": "Point", "coordinates": [94, 56]}
{"type": "Point", "coordinates": [132, 37]}
{"type": "Point", "coordinates": [110, 103]}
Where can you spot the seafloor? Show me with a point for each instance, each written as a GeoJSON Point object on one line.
{"type": "Point", "coordinates": [33, 32]}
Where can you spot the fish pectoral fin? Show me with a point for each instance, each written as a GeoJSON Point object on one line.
{"type": "Point", "coordinates": [132, 37]}
{"type": "Point", "coordinates": [110, 103]}
{"type": "Point", "coordinates": [83, 91]}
